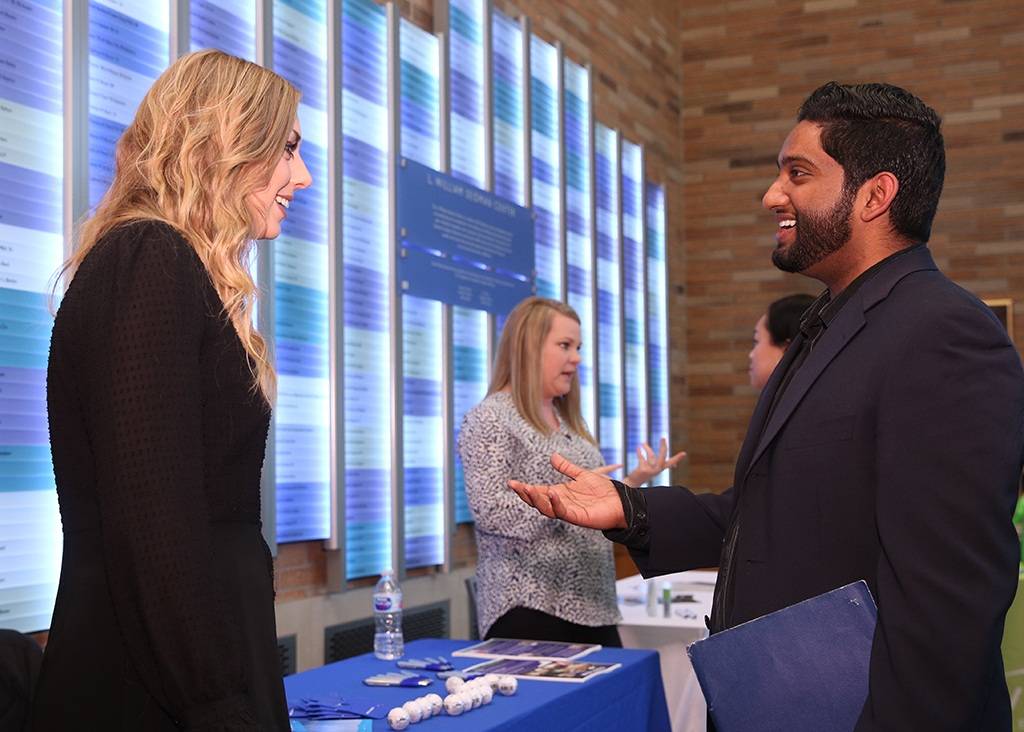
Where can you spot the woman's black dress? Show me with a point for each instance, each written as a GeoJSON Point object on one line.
{"type": "Point", "coordinates": [165, 612]}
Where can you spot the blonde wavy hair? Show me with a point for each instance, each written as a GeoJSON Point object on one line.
{"type": "Point", "coordinates": [207, 135]}
{"type": "Point", "coordinates": [517, 365]}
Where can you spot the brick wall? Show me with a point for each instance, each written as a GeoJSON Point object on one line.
{"type": "Point", "coordinates": [746, 66]}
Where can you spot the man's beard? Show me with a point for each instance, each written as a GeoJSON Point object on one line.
{"type": "Point", "coordinates": [817, 236]}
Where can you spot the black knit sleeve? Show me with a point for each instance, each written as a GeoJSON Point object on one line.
{"type": "Point", "coordinates": [634, 507]}
{"type": "Point", "coordinates": [145, 421]}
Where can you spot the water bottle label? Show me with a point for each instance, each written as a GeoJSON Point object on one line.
{"type": "Point", "coordinates": [384, 602]}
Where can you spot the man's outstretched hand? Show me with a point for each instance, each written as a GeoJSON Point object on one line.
{"type": "Point", "coordinates": [587, 499]}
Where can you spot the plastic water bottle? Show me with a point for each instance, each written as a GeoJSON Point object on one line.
{"type": "Point", "coordinates": [652, 598]}
{"type": "Point", "coordinates": [388, 643]}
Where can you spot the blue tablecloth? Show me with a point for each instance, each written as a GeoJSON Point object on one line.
{"type": "Point", "coordinates": [630, 697]}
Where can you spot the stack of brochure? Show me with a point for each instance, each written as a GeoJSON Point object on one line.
{"type": "Point", "coordinates": [543, 660]}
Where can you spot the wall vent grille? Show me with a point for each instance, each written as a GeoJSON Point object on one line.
{"type": "Point", "coordinates": [287, 651]}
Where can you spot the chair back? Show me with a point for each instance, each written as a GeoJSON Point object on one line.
{"type": "Point", "coordinates": [474, 631]}
{"type": "Point", "coordinates": [20, 661]}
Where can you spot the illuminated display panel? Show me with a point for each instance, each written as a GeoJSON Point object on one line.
{"type": "Point", "coordinates": [470, 377]}
{"type": "Point", "coordinates": [657, 319]}
{"type": "Point", "coordinates": [546, 167]}
{"type": "Point", "coordinates": [634, 299]}
{"type": "Point", "coordinates": [228, 25]}
{"type": "Point", "coordinates": [423, 431]}
{"type": "Point", "coordinates": [469, 384]}
{"type": "Point", "coordinates": [466, 64]}
{"type": "Point", "coordinates": [579, 248]}
{"type": "Point", "coordinates": [302, 412]}
{"type": "Point", "coordinates": [609, 313]}
{"type": "Point", "coordinates": [420, 94]}
{"type": "Point", "coordinates": [422, 321]}
{"type": "Point", "coordinates": [128, 49]}
{"type": "Point", "coordinates": [509, 124]}
{"type": "Point", "coordinates": [468, 162]}
{"type": "Point", "coordinates": [31, 250]}
{"type": "Point", "coordinates": [366, 304]}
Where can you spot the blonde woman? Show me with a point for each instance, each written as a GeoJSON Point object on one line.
{"type": "Point", "coordinates": [539, 578]}
{"type": "Point", "coordinates": [159, 391]}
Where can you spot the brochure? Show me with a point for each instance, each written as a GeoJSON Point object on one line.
{"type": "Point", "coordinates": [539, 650]}
{"type": "Point", "coordinates": [542, 670]}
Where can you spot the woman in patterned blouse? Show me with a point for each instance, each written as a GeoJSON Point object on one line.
{"type": "Point", "coordinates": [539, 578]}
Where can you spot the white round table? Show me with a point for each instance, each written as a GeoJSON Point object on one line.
{"type": "Point", "coordinates": [670, 635]}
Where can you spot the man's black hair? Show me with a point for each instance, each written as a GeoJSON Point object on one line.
{"type": "Point", "coordinates": [783, 317]}
{"type": "Point", "coordinates": [873, 128]}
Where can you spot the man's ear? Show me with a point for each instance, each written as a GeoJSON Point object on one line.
{"type": "Point", "coordinates": [878, 193]}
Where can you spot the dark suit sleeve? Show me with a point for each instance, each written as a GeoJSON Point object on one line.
{"type": "Point", "coordinates": [949, 437]}
{"type": "Point", "coordinates": [686, 530]}
{"type": "Point", "coordinates": [147, 440]}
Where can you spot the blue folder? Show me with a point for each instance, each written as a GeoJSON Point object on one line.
{"type": "Point", "coordinates": [800, 669]}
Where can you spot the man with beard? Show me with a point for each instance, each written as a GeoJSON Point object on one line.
{"type": "Point", "coordinates": [886, 445]}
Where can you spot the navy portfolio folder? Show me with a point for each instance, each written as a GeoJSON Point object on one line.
{"type": "Point", "coordinates": [801, 669]}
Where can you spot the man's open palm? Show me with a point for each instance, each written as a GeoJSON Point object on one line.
{"type": "Point", "coordinates": [587, 499]}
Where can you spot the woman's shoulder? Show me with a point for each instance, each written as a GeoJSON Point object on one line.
{"type": "Point", "coordinates": [144, 259]}
{"type": "Point", "coordinates": [140, 248]}
{"type": "Point", "coordinates": [144, 237]}
{"type": "Point", "coordinates": [493, 407]}
{"type": "Point", "coordinates": [138, 229]}
{"type": "Point", "coordinates": [496, 411]}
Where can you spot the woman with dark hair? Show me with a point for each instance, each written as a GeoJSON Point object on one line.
{"type": "Point", "coordinates": [772, 335]}
{"type": "Point", "coordinates": [159, 391]}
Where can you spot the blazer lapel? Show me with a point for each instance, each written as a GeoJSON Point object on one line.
{"type": "Point", "coordinates": [849, 320]}
{"type": "Point", "coordinates": [847, 323]}
{"type": "Point", "coordinates": [764, 403]}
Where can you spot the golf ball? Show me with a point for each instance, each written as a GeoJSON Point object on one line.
{"type": "Point", "coordinates": [436, 703]}
{"type": "Point", "coordinates": [454, 705]}
{"type": "Point", "coordinates": [507, 685]}
{"type": "Point", "coordinates": [398, 718]}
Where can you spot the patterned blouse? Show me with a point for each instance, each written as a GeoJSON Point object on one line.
{"type": "Point", "coordinates": [524, 558]}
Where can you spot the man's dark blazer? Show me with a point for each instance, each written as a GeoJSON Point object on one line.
{"type": "Point", "coordinates": [893, 456]}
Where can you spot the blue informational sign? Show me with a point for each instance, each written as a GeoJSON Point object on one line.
{"type": "Point", "coordinates": [657, 320]}
{"type": "Point", "coordinates": [422, 320]}
{"type": "Point", "coordinates": [609, 303]}
{"type": "Point", "coordinates": [459, 244]}
{"type": "Point", "coordinates": [634, 299]}
{"type": "Point", "coordinates": [300, 290]}
{"type": "Point", "coordinates": [365, 300]}
{"type": "Point", "coordinates": [31, 249]}
{"type": "Point", "coordinates": [227, 25]}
